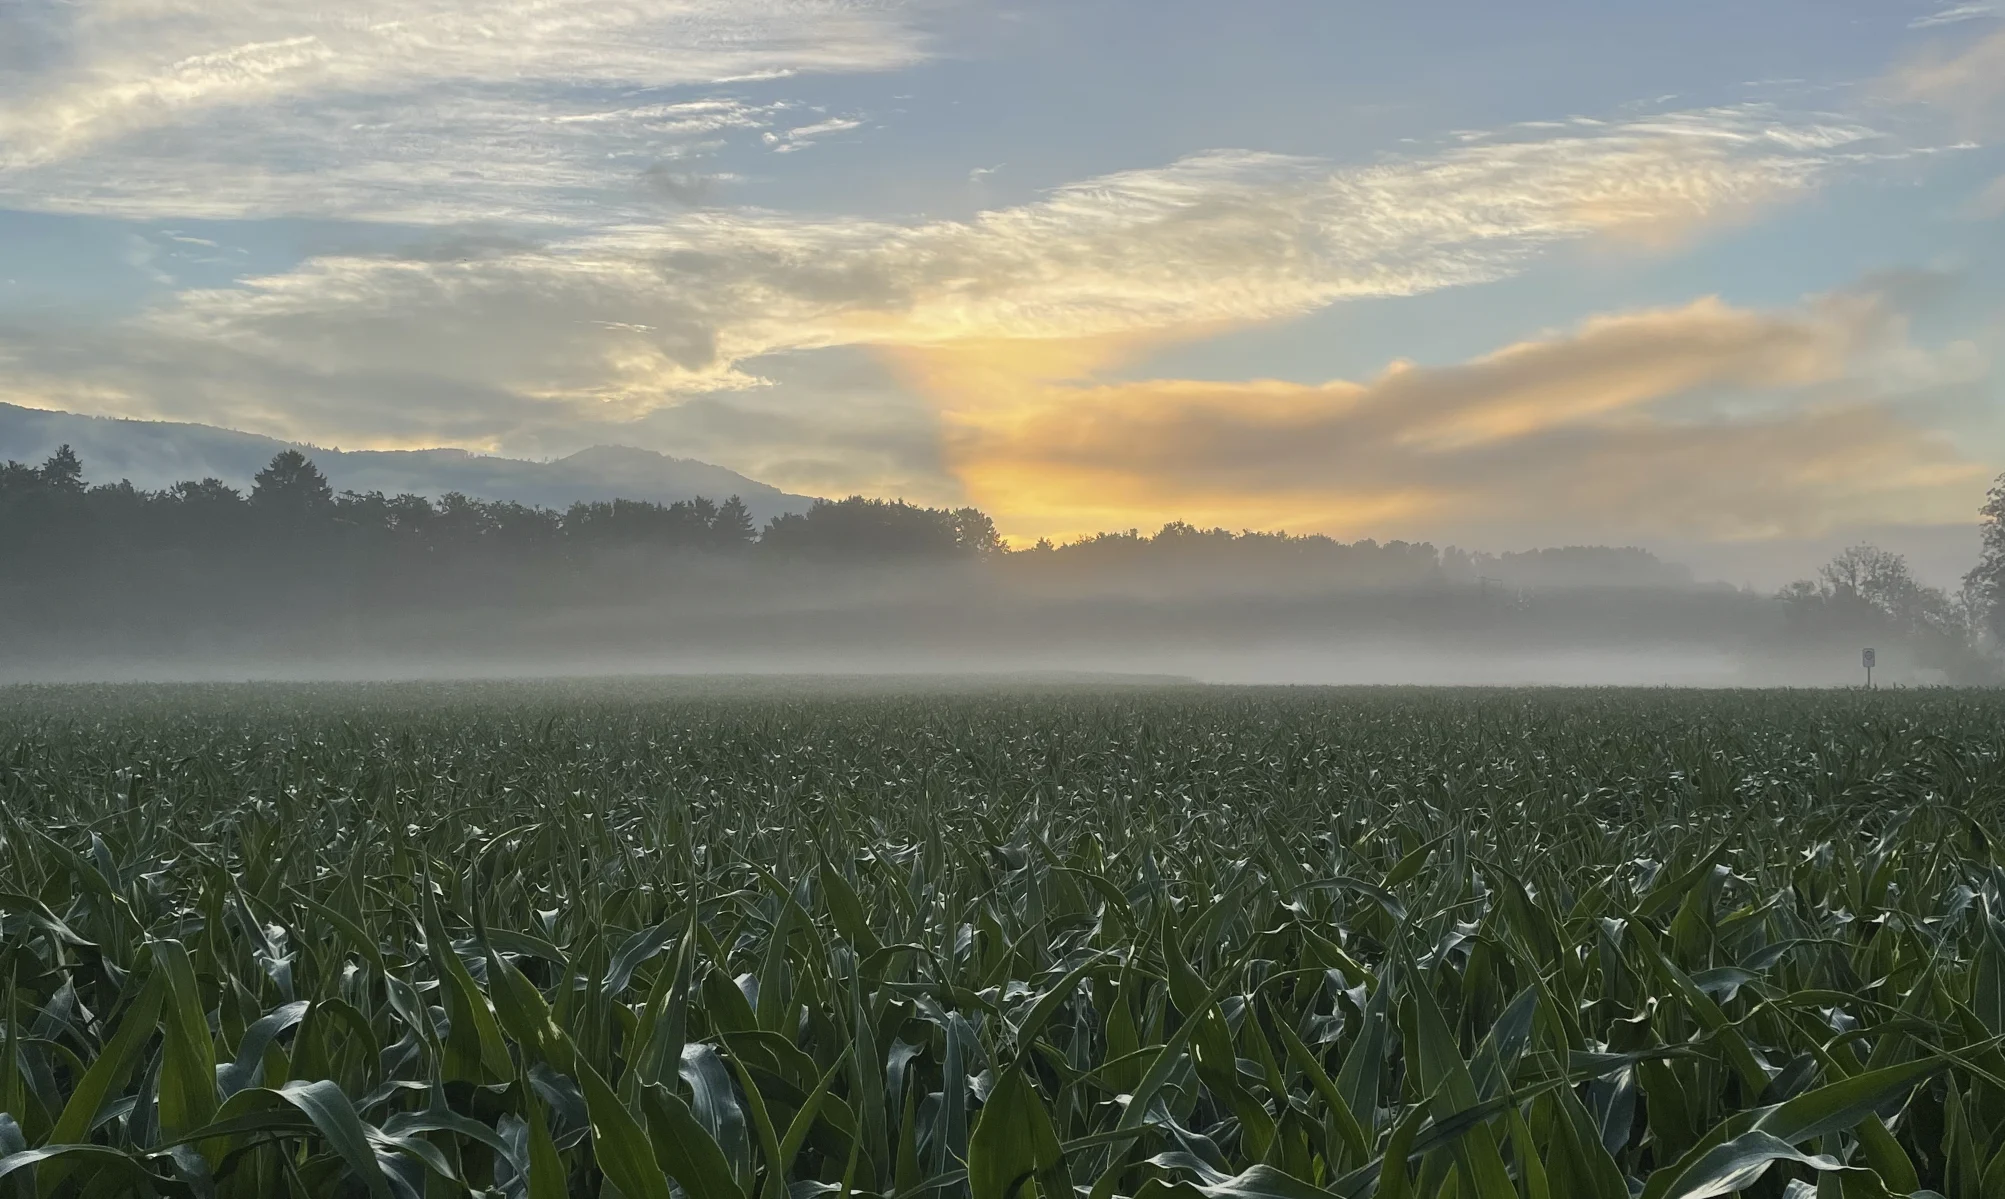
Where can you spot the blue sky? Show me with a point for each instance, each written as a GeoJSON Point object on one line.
{"type": "Point", "coordinates": [1690, 275]}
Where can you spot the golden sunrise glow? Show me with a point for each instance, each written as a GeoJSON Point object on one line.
{"type": "Point", "coordinates": [1037, 433]}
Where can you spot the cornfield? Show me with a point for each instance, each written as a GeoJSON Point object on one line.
{"type": "Point", "coordinates": [653, 941]}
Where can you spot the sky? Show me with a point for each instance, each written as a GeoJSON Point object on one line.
{"type": "Point", "coordinates": [1716, 276]}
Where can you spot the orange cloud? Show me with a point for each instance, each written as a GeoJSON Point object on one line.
{"type": "Point", "coordinates": [1571, 430]}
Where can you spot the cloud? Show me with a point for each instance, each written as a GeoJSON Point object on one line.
{"type": "Point", "coordinates": [1953, 16]}
{"type": "Point", "coordinates": [1226, 237]}
{"type": "Point", "coordinates": [499, 341]}
{"type": "Point", "coordinates": [802, 136]}
{"type": "Point", "coordinates": [688, 188]}
{"type": "Point", "coordinates": [433, 111]}
{"type": "Point", "coordinates": [1968, 83]}
{"type": "Point", "coordinates": [1623, 426]}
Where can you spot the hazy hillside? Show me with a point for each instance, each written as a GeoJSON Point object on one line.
{"type": "Point", "coordinates": [156, 453]}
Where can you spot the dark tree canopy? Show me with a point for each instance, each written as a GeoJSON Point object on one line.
{"type": "Point", "coordinates": [860, 528]}
{"type": "Point", "coordinates": [733, 525]}
{"type": "Point", "coordinates": [63, 471]}
{"type": "Point", "coordinates": [1984, 586]}
{"type": "Point", "coordinates": [292, 484]}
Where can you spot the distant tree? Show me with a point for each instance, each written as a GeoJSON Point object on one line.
{"type": "Point", "coordinates": [1984, 586]}
{"type": "Point", "coordinates": [1870, 592]}
{"type": "Point", "coordinates": [636, 523]}
{"type": "Point", "coordinates": [1801, 596]}
{"type": "Point", "coordinates": [975, 533]}
{"type": "Point", "coordinates": [209, 494]}
{"type": "Point", "coordinates": [292, 485]}
{"type": "Point", "coordinates": [18, 478]}
{"type": "Point", "coordinates": [63, 471]}
{"type": "Point", "coordinates": [1869, 574]}
{"type": "Point", "coordinates": [859, 529]}
{"type": "Point", "coordinates": [1881, 582]}
{"type": "Point", "coordinates": [461, 518]}
{"type": "Point", "coordinates": [732, 527]}
{"type": "Point", "coordinates": [407, 513]}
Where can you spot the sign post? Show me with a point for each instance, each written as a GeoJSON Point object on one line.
{"type": "Point", "coordinates": [1868, 659]}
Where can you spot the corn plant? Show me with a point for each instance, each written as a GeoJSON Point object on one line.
{"type": "Point", "coordinates": [744, 941]}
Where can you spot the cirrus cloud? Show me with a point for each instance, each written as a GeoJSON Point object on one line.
{"type": "Point", "coordinates": [437, 111]}
{"type": "Point", "coordinates": [642, 315]}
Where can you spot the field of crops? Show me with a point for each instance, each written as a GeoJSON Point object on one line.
{"type": "Point", "coordinates": [1175, 943]}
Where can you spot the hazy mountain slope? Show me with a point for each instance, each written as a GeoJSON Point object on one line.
{"type": "Point", "coordinates": [154, 454]}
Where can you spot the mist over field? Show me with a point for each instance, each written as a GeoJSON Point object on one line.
{"type": "Point", "coordinates": [293, 581]}
{"type": "Point", "coordinates": [810, 623]}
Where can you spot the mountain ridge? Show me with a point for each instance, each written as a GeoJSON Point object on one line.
{"type": "Point", "coordinates": [155, 454]}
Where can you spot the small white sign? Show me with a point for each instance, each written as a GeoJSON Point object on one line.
{"type": "Point", "coordinates": [1868, 659]}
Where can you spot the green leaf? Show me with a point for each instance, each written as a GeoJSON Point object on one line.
{"type": "Point", "coordinates": [546, 1176]}
{"type": "Point", "coordinates": [475, 1050]}
{"type": "Point", "coordinates": [334, 1116]}
{"type": "Point", "coordinates": [1047, 1004]}
{"type": "Point", "coordinates": [1254, 1182]}
{"type": "Point", "coordinates": [1834, 1107]}
{"type": "Point", "coordinates": [1393, 1181]}
{"type": "Point", "coordinates": [522, 1010]}
{"type": "Point", "coordinates": [113, 1064]}
{"type": "Point", "coordinates": [619, 1143]}
{"type": "Point", "coordinates": [1014, 1142]}
{"type": "Point", "coordinates": [846, 909]}
{"type": "Point", "coordinates": [1410, 866]}
{"type": "Point", "coordinates": [686, 1151]}
{"type": "Point", "coordinates": [187, 1093]}
{"type": "Point", "coordinates": [1348, 1130]}
{"type": "Point", "coordinates": [1740, 1163]}
{"type": "Point", "coordinates": [1440, 1070]}
{"type": "Point", "coordinates": [1838, 1106]}
{"type": "Point", "coordinates": [102, 1157]}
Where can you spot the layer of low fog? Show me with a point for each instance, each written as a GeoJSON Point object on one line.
{"type": "Point", "coordinates": [293, 581]}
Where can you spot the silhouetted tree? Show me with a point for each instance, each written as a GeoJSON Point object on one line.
{"type": "Point", "coordinates": [860, 530]}
{"type": "Point", "coordinates": [18, 478]}
{"type": "Point", "coordinates": [1180, 552]}
{"type": "Point", "coordinates": [1984, 586]}
{"type": "Point", "coordinates": [975, 533]}
{"type": "Point", "coordinates": [732, 528]}
{"type": "Point", "coordinates": [63, 471]}
{"type": "Point", "coordinates": [1865, 592]}
{"type": "Point", "coordinates": [292, 485]}
{"type": "Point", "coordinates": [207, 495]}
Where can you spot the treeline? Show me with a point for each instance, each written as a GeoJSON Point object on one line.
{"type": "Point", "coordinates": [79, 556]}
{"type": "Point", "coordinates": [51, 514]}
{"type": "Point", "coordinates": [52, 508]}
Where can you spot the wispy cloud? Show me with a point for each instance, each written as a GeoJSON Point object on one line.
{"type": "Point", "coordinates": [438, 110]}
{"type": "Point", "coordinates": [1953, 16]}
{"type": "Point", "coordinates": [1219, 238]}
{"type": "Point", "coordinates": [801, 136]}
{"type": "Point", "coordinates": [624, 321]}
